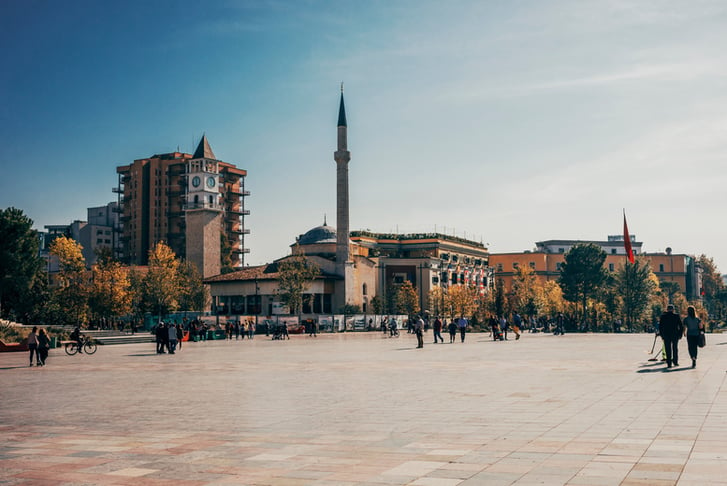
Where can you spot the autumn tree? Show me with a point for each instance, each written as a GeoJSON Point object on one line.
{"type": "Point", "coordinates": [527, 295]}
{"type": "Point", "coordinates": [296, 273]}
{"type": "Point", "coordinates": [436, 300]}
{"type": "Point", "coordinates": [110, 294]}
{"type": "Point", "coordinates": [72, 291]}
{"type": "Point", "coordinates": [582, 274]}
{"type": "Point", "coordinates": [161, 286]}
{"type": "Point", "coordinates": [21, 269]}
{"type": "Point", "coordinates": [406, 299]}
{"type": "Point", "coordinates": [462, 300]}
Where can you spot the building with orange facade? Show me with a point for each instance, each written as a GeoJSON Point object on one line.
{"type": "Point", "coordinates": [545, 262]}
{"type": "Point", "coordinates": [186, 201]}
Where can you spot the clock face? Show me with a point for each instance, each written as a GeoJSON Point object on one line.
{"type": "Point", "coordinates": [196, 181]}
{"type": "Point", "coordinates": [210, 181]}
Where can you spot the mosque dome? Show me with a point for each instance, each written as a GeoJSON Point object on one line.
{"type": "Point", "coordinates": [319, 234]}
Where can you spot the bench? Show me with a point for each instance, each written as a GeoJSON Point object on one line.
{"type": "Point", "coordinates": [13, 347]}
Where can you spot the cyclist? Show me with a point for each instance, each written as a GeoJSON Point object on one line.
{"type": "Point", "coordinates": [78, 337]}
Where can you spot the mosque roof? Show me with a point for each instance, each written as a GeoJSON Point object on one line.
{"type": "Point", "coordinates": [319, 234]}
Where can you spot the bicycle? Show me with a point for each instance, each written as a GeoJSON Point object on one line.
{"type": "Point", "coordinates": [88, 346]}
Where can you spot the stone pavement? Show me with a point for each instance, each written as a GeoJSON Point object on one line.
{"type": "Point", "coordinates": [359, 409]}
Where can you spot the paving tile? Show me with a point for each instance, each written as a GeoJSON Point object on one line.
{"type": "Point", "coordinates": [354, 409]}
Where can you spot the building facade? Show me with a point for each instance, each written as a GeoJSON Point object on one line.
{"type": "Point", "coordinates": [546, 261]}
{"type": "Point", "coordinates": [176, 197]}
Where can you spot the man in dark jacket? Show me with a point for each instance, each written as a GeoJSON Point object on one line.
{"type": "Point", "coordinates": [671, 330]}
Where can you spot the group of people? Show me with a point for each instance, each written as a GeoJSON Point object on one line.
{"type": "Point", "coordinates": [672, 328]}
{"type": "Point", "coordinates": [168, 336]}
{"type": "Point", "coordinates": [38, 345]}
{"type": "Point", "coordinates": [240, 329]}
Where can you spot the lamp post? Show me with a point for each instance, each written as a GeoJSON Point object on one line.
{"type": "Point", "coordinates": [257, 309]}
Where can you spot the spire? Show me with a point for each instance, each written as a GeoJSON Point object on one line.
{"type": "Point", "coordinates": [342, 111]}
{"type": "Point", "coordinates": [204, 151]}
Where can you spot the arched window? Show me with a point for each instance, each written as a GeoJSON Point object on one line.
{"type": "Point", "coordinates": [365, 289]}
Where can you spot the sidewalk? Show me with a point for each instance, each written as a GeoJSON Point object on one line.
{"type": "Point", "coordinates": [359, 409]}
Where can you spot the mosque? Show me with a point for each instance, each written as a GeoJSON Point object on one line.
{"type": "Point", "coordinates": [355, 266]}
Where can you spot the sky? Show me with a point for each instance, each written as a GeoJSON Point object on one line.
{"type": "Point", "coordinates": [506, 123]}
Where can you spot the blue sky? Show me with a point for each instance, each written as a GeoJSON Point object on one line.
{"type": "Point", "coordinates": [504, 122]}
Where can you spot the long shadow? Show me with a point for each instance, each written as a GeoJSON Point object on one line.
{"type": "Point", "coordinates": [16, 367]}
{"type": "Point", "coordinates": [143, 354]}
{"type": "Point", "coordinates": [652, 369]}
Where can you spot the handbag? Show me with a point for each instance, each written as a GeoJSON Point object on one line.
{"type": "Point", "coordinates": [702, 340]}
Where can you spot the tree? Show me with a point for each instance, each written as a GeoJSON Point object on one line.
{"type": "Point", "coordinates": [712, 285]}
{"type": "Point", "coordinates": [377, 305]}
{"type": "Point", "coordinates": [552, 298]}
{"type": "Point", "coordinates": [296, 273]}
{"type": "Point", "coordinates": [110, 294]}
{"type": "Point", "coordinates": [436, 300]}
{"type": "Point", "coordinates": [527, 295]}
{"type": "Point", "coordinates": [462, 300]}
{"type": "Point", "coordinates": [72, 292]}
{"type": "Point", "coordinates": [406, 299]}
{"type": "Point", "coordinates": [582, 274]}
{"type": "Point", "coordinates": [20, 264]}
{"type": "Point", "coordinates": [635, 283]}
{"type": "Point", "coordinates": [160, 287]}
{"type": "Point", "coordinates": [669, 289]}
{"type": "Point", "coordinates": [193, 294]}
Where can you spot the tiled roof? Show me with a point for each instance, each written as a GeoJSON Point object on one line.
{"type": "Point", "coordinates": [204, 151]}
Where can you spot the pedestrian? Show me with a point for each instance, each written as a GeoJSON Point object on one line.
{"type": "Point", "coordinates": [495, 326]}
{"type": "Point", "coordinates": [160, 333]}
{"type": "Point", "coordinates": [313, 330]}
{"type": "Point", "coordinates": [171, 338]}
{"type": "Point", "coordinates": [693, 329]}
{"type": "Point", "coordinates": [462, 325]}
{"type": "Point", "coordinates": [180, 336]}
{"type": "Point", "coordinates": [250, 329]}
{"type": "Point", "coordinates": [517, 323]}
{"type": "Point", "coordinates": [33, 345]}
{"type": "Point", "coordinates": [504, 327]}
{"type": "Point", "coordinates": [438, 330]}
{"type": "Point", "coordinates": [671, 330]}
{"type": "Point", "coordinates": [237, 331]}
{"type": "Point", "coordinates": [419, 331]}
{"type": "Point", "coordinates": [43, 347]}
{"type": "Point", "coordinates": [452, 330]}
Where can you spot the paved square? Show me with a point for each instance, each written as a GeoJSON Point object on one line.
{"type": "Point", "coordinates": [360, 409]}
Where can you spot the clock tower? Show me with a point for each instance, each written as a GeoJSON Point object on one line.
{"type": "Point", "coordinates": [203, 211]}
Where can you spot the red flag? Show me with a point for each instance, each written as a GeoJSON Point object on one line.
{"type": "Point", "coordinates": [627, 241]}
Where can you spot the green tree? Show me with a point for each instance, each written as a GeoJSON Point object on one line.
{"type": "Point", "coordinates": [160, 287]}
{"type": "Point", "coordinates": [377, 304]}
{"type": "Point", "coordinates": [20, 265]}
{"type": "Point", "coordinates": [193, 294]}
{"type": "Point", "coordinates": [712, 285]}
{"type": "Point", "coordinates": [406, 299]}
{"type": "Point", "coordinates": [72, 290]}
{"type": "Point", "coordinates": [582, 274]}
{"type": "Point", "coordinates": [295, 274]}
{"type": "Point", "coordinates": [669, 289]}
{"type": "Point", "coordinates": [635, 283]}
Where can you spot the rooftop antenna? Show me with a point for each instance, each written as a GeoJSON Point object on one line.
{"type": "Point", "coordinates": [324, 220]}
{"type": "Point", "coordinates": [341, 87]}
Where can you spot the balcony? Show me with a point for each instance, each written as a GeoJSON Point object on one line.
{"type": "Point", "coordinates": [240, 251]}
{"type": "Point", "coordinates": [117, 190]}
{"type": "Point", "coordinates": [238, 211]}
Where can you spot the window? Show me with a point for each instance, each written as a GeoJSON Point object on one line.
{"type": "Point", "coordinates": [499, 267]}
{"type": "Point", "coordinates": [558, 265]}
{"type": "Point", "coordinates": [532, 265]}
{"type": "Point", "coordinates": [561, 250]}
{"type": "Point", "coordinates": [610, 267]}
{"type": "Point", "coordinates": [515, 265]}
{"type": "Point", "coordinates": [661, 267]}
{"type": "Point", "coordinates": [364, 289]}
{"type": "Point", "coordinates": [613, 251]}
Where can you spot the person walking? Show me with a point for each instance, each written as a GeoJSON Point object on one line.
{"type": "Point", "coordinates": [43, 347]}
{"type": "Point", "coordinates": [33, 345]}
{"type": "Point", "coordinates": [452, 327]}
{"type": "Point", "coordinates": [504, 327]}
{"type": "Point", "coordinates": [517, 323]}
{"type": "Point", "coordinates": [462, 325]}
{"type": "Point", "coordinates": [671, 329]}
{"type": "Point", "coordinates": [160, 332]}
{"type": "Point", "coordinates": [495, 326]}
{"type": "Point", "coordinates": [693, 329]}
{"type": "Point", "coordinates": [250, 329]}
{"type": "Point", "coordinates": [171, 338]}
{"type": "Point", "coordinates": [419, 331]}
{"type": "Point", "coordinates": [437, 330]}
{"type": "Point", "coordinates": [180, 336]}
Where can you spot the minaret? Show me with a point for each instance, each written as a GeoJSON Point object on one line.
{"type": "Point", "coordinates": [344, 265]}
{"type": "Point", "coordinates": [342, 157]}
